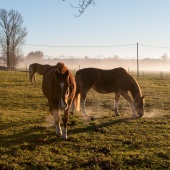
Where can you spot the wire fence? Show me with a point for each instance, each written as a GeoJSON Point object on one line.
{"type": "Point", "coordinates": [142, 74]}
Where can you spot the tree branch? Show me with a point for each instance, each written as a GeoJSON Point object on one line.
{"type": "Point", "coordinates": [82, 6]}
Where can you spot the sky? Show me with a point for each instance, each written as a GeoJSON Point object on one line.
{"type": "Point", "coordinates": [108, 28]}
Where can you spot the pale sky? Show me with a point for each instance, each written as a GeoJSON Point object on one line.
{"type": "Point", "coordinates": [108, 23]}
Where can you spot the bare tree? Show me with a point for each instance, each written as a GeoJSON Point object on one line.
{"type": "Point", "coordinates": [12, 36]}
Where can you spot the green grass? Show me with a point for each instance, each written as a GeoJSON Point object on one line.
{"type": "Point", "coordinates": [28, 141]}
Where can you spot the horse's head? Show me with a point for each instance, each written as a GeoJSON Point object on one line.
{"type": "Point", "coordinates": [62, 80]}
{"type": "Point", "coordinates": [139, 106]}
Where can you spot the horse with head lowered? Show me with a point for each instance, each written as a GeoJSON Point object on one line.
{"type": "Point", "coordinates": [59, 88]}
{"type": "Point", "coordinates": [116, 81]}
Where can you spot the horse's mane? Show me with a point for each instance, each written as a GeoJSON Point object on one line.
{"type": "Point", "coordinates": [135, 89]}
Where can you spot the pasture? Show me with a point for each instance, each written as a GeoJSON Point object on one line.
{"type": "Point", "coordinates": [28, 141]}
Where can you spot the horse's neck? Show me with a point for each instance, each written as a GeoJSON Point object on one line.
{"type": "Point", "coordinates": [135, 90]}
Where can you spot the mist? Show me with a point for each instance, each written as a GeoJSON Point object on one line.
{"type": "Point", "coordinates": [145, 65]}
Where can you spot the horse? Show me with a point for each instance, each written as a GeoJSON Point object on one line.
{"type": "Point", "coordinates": [116, 81]}
{"type": "Point", "coordinates": [36, 68]}
{"type": "Point", "coordinates": [59, 88]}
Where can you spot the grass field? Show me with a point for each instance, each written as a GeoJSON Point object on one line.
{"type": "Point", "coordinates": [28, 141]}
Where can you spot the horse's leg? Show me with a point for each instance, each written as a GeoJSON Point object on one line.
{"type": "Point", "coordinates": [116, 102]}
{"type": "Point", "coordinates": [82, 102]}
{"type": "Point", "coordinates": [56, 115]}
{"type": "Point", "coordinates": [128, 98]}
{"type": "Point", "coordinates": [30, 76]}
{"type": "Point", "coordinates": [35, 79]}
{"type": "Point", "coordinates": [65, 119]}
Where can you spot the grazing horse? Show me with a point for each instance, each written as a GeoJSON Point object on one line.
{"type": "Point", "coordinates": [59, 88]}
{"type": "Point", "coordinates": [108, 81]}
{"type": "Point", "coordinates": [36, 68]}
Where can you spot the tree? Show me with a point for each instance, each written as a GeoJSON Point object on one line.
{"type": "Point", "coordinates": [34, 56]}
{"type": "Point", "coordinates": [12, 36]}
{"type": "Point", "coordinates": [164, 57]}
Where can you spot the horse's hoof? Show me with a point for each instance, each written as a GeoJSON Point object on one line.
{"type": "Point", "coordinates": [117, 114]}
{"type": "Point", "coordinates": [58, 133]}
{"type": "Point", "coordinates": [64, 136]}
{"type": "Point", "coordinates": [140, 115]}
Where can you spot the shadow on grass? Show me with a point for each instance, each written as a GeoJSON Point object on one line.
{"type": "Point", "coordinates": [37, 135]}
{"type": "Point", "coordinates": [28, 138]}
{"type": "Point", "coordinates": [101, 125]}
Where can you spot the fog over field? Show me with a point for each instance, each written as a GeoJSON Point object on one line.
{"type": "Point", "coordinates": [147, 64]}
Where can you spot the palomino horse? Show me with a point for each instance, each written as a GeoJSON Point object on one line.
{"type": "Point", "coordinates": [108, 81]}
{"type": "Point", "coordinates": [36, 68]}
{"type": "Point", "coordinates": [59, 88]}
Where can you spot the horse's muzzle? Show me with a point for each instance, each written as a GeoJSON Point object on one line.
{"type": "Point", "coordinates": [140, 113]}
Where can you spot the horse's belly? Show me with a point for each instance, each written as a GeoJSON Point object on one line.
{"type": "Point", "coordinates": [103, 89]}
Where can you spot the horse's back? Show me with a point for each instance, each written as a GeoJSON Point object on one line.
{"type": "Point", "coordinates": [95, 74]}
{"type": "Point", "coordinates": [96, 71]}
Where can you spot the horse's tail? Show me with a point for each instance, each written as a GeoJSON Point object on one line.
{"type": "Point", "coordinates": [77, 102]}
{"type": "Point", "coordinates": [77, 96]}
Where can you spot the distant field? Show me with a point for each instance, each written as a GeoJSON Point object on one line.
{"type": "Point", "coordinates": [28, 141]}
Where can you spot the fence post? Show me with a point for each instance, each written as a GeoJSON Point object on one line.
{"type": "Point", "coordinates": [161, 74]}
{"type": "Point", "coordinates": [137, 62]}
